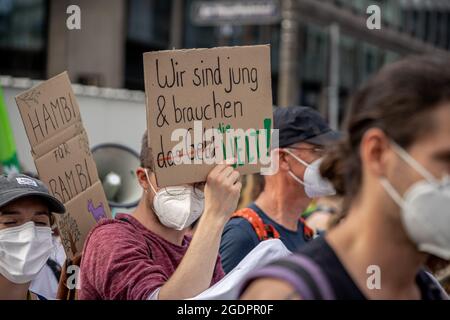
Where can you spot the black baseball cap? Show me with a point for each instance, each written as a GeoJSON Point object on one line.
{"type": "Point", "coordinates": [302, 124]}
{"type": "Point", "coordinates": [15, 186]}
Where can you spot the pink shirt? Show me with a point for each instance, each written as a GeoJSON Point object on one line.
{"type": "Point", "coordinates": [124, 260]}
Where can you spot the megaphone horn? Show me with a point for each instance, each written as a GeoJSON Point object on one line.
{"type": "Point", "coordinates": [116, 164]}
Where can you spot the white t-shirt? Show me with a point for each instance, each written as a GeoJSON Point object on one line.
{"type": "Point", "coordinates": [228, 288]}
{"type": "Point", "coordinates": [45, 283]}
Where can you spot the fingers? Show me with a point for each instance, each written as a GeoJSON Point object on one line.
{"type": "Point", "coordinates": [233, 178]}
{"type": "Point", "coordinates": [220, 167]}
{"type": "Point", "coordinates": [228, 176]}
{"type": "Point", "coordinates": [222, 190]}
{"type": "Point", "coordinates": [221, 171]}
{"type": "Point", "coordinates": [227, 172]}
{"type": "Point", "coordinates": [214, 173]}
{"type": "Point", "coordinates": [217, 169]}
{"type": "Point", "coordinates": [237, 187]}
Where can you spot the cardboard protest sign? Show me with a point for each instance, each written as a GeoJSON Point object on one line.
{"type": "Point", "coordinates": [53, 141]}
{"type": "Point", "coordinates": [206, 105]}
{"type": "Point", "coordinates": [82, 213]}
{"type": "Point", "coordinates": [48, 109]}
{"type": "Point", "coordinates": [63, 159]}
{"type": "Point", "coordinates": [68, 169]}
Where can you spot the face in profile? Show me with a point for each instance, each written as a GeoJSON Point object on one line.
{"type": "Point", "coordinates": [432, 151]}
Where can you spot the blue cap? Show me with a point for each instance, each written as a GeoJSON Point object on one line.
{"type": "Point", "coordinates": [302, 124]}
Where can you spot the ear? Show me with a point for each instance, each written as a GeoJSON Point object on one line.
{"type": "Point", "coordinates": [282, 160]}
{"type": "Point", "coordinates": [375, 150]}
{"type": "Point", "coordinates": [142, 178]}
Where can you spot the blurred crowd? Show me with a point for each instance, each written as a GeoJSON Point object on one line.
{"type": "Point", "coordinates": [362, 213]}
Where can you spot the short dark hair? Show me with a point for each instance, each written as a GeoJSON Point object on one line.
{"type": "Point", "coordinates": [146, 157]}
{"type": "Point", "coordinates": [399, 99]}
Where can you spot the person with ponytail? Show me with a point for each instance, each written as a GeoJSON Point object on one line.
{"type": "Point", "coordinates": [392, 169]}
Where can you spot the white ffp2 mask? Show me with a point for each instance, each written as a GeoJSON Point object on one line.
{"type": "Point", "coordinates": [177, 207]}
{"type": "Point", "coordinates": [315, 186]}
{"type": "Point", "coordinates": [24, 250]}
{"type": "Point", "coordinates": [424, 208]}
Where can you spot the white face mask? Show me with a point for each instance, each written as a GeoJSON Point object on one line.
{"type": "Point", "coordinates": [177, 207]}
{"type": "Point", "coordinates": [424, 208]}
{"type": "Point", "coordinates": [315, 186]}
{"type": "Point", "coordinates": [24, 250]}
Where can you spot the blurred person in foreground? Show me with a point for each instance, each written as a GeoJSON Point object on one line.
{"type": "Point", "coordinates": [148, 254]}
{"type": "Point", "coordinates": [276, 213]}
{"type": "Point", "coordinates": [25, 235]}
{"type": "Point", "coordinates": [393, 170]}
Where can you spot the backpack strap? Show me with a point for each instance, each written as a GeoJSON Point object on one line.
{"type": "Point", "coordinates": [308, 233]}
{"type": "Point", "coordinates": [302, 273]}
{"type": "Point", "coordinates": [55, 267]}
{"type": "Point", "coordinates": [267, 231]}
{"type": "Point", "coordinates": [436, 291]}
{"type": "Point", "coordinates": [263, 231]}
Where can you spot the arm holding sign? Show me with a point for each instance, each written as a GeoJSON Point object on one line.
{"type": "Point", "coordinates": [148, 255]}
{"type": "Point", "coordinates": [222, 193]}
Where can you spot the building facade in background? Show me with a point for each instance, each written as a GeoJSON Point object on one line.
{"type": "Point", "coordinates": [320, 50]}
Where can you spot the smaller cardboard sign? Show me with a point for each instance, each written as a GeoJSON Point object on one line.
{"type": "Point", "coordinates": [68, 169]}
{"type": "Point", "coordinates": [207, 105]}
{"type": "Point", "coordinates": [82, 213]}
{"type": "Point", "coordinates": [60, 148]}
{"type": "Point", "coordinates": [48, 108]}
{"type": "Point", "coordinates": [54, 141]}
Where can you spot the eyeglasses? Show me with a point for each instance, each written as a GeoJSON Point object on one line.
{"type": "Point", "coordinates": [317, 150]}
{"type": "Point", "coordinates": [197, 187]}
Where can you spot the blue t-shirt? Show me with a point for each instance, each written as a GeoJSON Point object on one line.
{"type": "Point", "coordinates": [239, 238]}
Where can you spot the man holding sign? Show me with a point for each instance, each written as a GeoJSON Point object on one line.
{"type": "Point", "coordinates": [147, 255]}
{"type": "Point", "coordinates": [203, 106]}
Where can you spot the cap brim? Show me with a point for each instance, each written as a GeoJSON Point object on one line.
{"type": "Point", "coordinates": [54, 204]}
{"type": "Point", "coordinates": [325, 139]}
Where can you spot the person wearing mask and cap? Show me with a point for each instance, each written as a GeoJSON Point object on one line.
{"type": "Point", "coordinates": [26, 209]}
{"type": "Point", "coordinates": [276, 213]}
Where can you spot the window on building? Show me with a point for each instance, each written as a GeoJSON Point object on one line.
{"type": "Point", "coordinates": [148, 23]}
{"type": "Point", "coordinates": [23, 38]}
